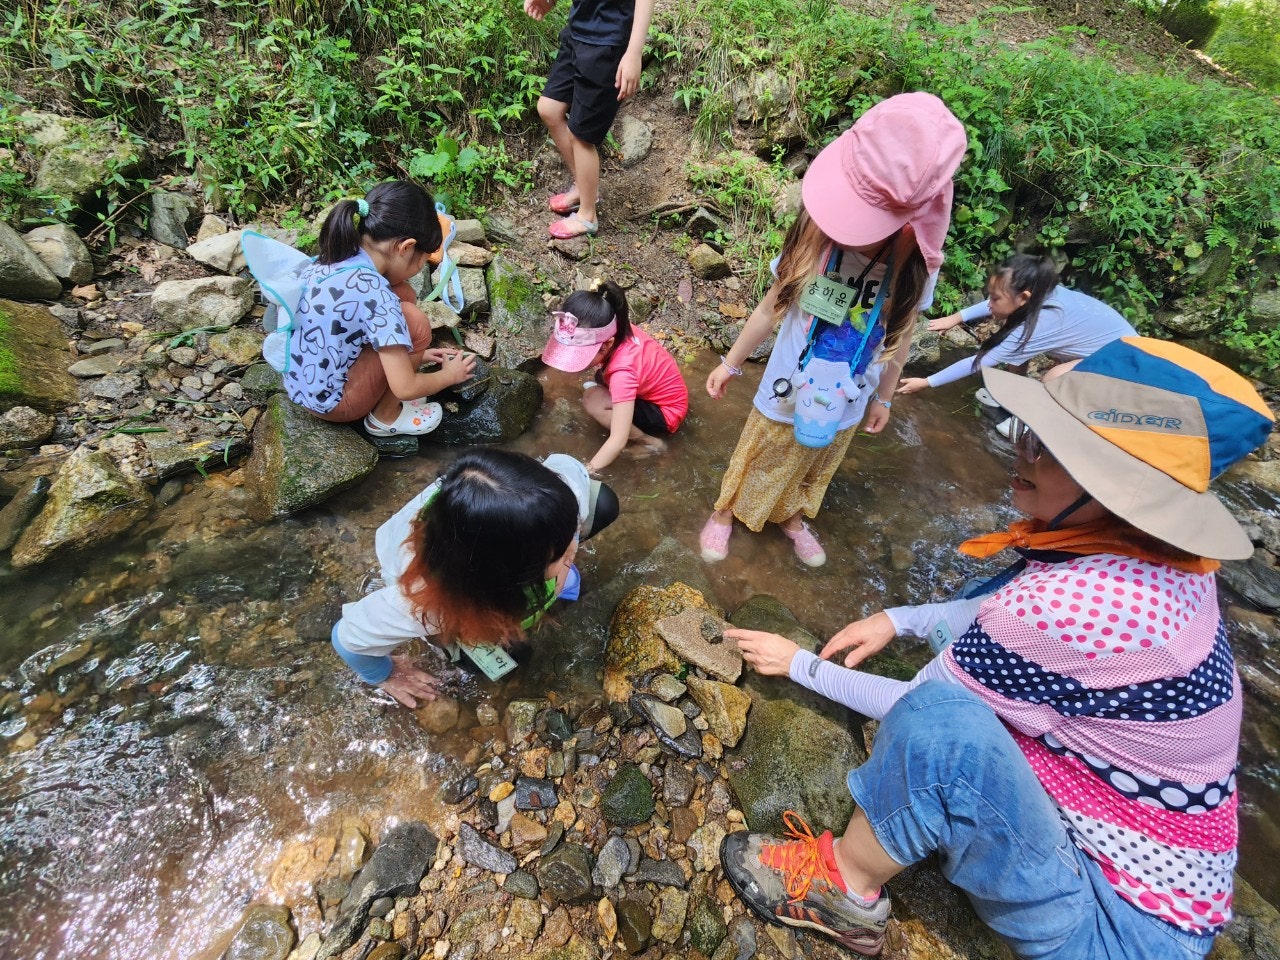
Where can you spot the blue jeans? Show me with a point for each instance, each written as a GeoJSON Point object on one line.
{"type": "Point", "coordinates": [946, 776]}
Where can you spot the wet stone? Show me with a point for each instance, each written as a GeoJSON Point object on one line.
{"type": "Point", "coordinates": [555, 833]}
{"type": "Point", "coordinates": [379, 929]}
{"type": "Point", "coordinates": [687, 635]}
{"type": "Point", "coordinates": [677, 785]}
{"type": "Point", "coordinates": [704, 848]}
{"type": "Point", "coordinates": [397, 446]}
{"type": "Point", "coordinates": [706, 927]}
{"type": "Point", "coordinates": [532, 794]}
{"type": "Point", "coordinates": [386, 951]}
{"type": "Point", "coordinates": [612, 863]}
{"type": "Point", "coordinates": [555, 765]}
{"type": "Point", "coordinates": [381, 907]}
{"type": "Point", "coordinates": [564, 875]}
{"type": "Point", "coordinates": [664, 873]}
{"type": "Point", "coordinates": [683, 822]}
{"type": "Point", "coordinates": [265, 934]}
{"type": "Point", "coordinates": [525, 918]}
{"type": "Point", "coordinates": [673, 905]}
{"type": "Point", "coordinates": [478, 852]}
{"type": "Point", "coordinates": [554, 727]}
{"type": "Point", "coordinates": [20, 511]}
{"type": "Point", "coordinates": [669, 721]}
{"type": "Point", "coordinates": [634, 925]}
{"type": "Point", "coordinates": [666, 688]}
{"type": "Point", "coordinates": [628, 799]}
{"type": "Point", "coordinates": [522, 883]}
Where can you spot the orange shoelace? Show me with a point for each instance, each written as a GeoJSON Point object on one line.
{"type": "Point", "coordinates": [799, 860]}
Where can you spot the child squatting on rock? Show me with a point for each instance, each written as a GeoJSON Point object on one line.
{"type": "Point", "coordinates": [600, 51]}
{"type": "Point", "coordinates": [359, 336]}
{"type": "Point", "coordinates": [641, 396]}
{"type": "Point", "coordinates": [856, 266]}
{"type": "Point", "coordinates": [476, 558]}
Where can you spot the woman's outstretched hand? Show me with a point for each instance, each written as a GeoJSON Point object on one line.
{"type": "Point", "coordinates": [409, 683]}
{"type": "Point", "coordinates": [865, 637]}
{"type": "Point", "coordinates": [767, 653]}
{"type": "Point", "coordinates": [910, 385]}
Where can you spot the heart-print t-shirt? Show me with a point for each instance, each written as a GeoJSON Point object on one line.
{"type": "Point", "coordinates": [345, 306]}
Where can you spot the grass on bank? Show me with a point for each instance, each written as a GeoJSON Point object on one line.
{"type": "Point", "coordinates": [1152, 185]}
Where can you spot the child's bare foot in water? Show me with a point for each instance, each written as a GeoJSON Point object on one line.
{"type": "Point", "coordinates": [647, 447]}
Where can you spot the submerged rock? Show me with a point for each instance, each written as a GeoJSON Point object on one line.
{"type": "Point", "coordinates": [33, 358]}
{"type": "Point", "coordinates": [90, 501]}
{"type": "Point", "coordinates": [265, 934]}
{"type": "Point", "coordinates": [17, 513]}
{"type": "Point", "coordinates": [299, 461]}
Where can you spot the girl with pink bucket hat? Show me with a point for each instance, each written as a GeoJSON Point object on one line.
{"type": "Point", "coordinates": [856, 267]}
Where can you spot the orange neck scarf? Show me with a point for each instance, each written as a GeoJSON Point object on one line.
{"type": "Point", "coordinates": [1106, 535]}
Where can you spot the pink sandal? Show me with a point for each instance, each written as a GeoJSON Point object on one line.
{"type": "Point", "coordinates": [561, 204]}
{"type": "Point", "coordinates": [714, 540]}
{"type": "Point", "coordinates": [806, 545]}
{"type": "Point", "coordinates": [573, 226]}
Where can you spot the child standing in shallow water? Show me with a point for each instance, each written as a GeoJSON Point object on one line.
{"type": "Point", "coordinates": [359, 336]}
{"type": "Point", "coordinates": [598, 67]}
{"type": "Point", "coordinates": [857, 265]}
{"type": "Point", "coordinates": [642, 396]}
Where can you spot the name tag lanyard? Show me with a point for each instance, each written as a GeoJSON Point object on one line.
{"type": "Point", "coordinates": [832, 272]}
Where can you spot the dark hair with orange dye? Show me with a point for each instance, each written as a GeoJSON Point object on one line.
{"type": "Point", "coordinates": [482, 546]}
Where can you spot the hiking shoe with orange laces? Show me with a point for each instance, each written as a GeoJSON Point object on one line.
{"type": "Point", "coordinates": [794, 882]}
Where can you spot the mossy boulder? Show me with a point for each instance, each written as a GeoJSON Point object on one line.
{"type": "Point", "coordinates": [299, 461]}
{"type": "Point", "coordinates": [517, 315]}
{"type": "Point", "coordinates": [628, 799]}
{"type": "Point", "coordinates": [33, 360]}
{"type": "Point", "coordinates": [83, 157]}
{"type": "Point", "coordinates": [502, 411]}
{"type": "Point", "coordinates": [635, 649]}
{"type": "Point", "coordinates": [799, 746]}
{"type": "Point", "coordinates": [90, 501]}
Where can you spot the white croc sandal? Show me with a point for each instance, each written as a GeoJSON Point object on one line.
{"type": "Point", "coordinates": [414, 421]}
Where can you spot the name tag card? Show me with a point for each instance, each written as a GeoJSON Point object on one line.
{"type": "Point", "coordinates": [826, 299]}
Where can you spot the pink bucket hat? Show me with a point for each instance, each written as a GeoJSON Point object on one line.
{"type": "Point", "coordinates": [892, 167]}
{"type": "Point", "coordinates": [571, 348]}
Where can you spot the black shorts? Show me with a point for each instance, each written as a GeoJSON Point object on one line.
{"type": "Point", "coordinates": [583, 76]}
{"type": "Point", "coordinates": [648, 419]}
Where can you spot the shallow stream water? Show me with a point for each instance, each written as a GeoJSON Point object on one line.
{"type": "Point", "coordinates": [177, 739]}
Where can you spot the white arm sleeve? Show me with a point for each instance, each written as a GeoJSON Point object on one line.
{"type": "Point", "coordinates": [864, 693]}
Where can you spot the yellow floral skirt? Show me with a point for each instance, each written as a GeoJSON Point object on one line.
{"type": "Point", "coordinates": [771, 477]}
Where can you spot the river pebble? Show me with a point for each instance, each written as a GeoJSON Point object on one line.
{"type": "Point", "coordinates": [521, 884]}
{"type": "Point", "coordinates": [613, 861]}
{"type": "Point", "coordinates": [479, 852]}
{"type": "Point", "coordinates": [535, 794]}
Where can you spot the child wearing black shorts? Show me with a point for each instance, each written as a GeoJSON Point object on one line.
{"type": "Point", "coordinates": [598, 67]}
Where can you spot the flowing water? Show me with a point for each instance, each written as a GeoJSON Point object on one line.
{"type": "Point", "coordinates": [180, 741]}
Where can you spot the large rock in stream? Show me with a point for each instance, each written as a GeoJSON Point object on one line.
{"type": "Point", "coordinates": [495, 406]}
{"type": "Point", "coordinates": [23, 274]}
{"type": "Point", "coordinates": [799, 746]}
{"type": "Point", "coordinates": [90, 501]}
{"type": "Point", "coordinates": [636, 650]}
{"type": "Point", "coordinates": [299, 461]}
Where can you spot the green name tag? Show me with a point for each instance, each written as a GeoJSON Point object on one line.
{"type": "Point", "coordinates": [491, 659]}
{"type": "Point", "coordinates": [827, 300]}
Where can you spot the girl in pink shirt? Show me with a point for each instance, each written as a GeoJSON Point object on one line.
{"type": "Point", "coordinates": [642, 396]}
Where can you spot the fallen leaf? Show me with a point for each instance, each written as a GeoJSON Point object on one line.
{"type": "Point", "coordinates": [88, 292]}
{"type": "Point", "coordinates": [735, 310]}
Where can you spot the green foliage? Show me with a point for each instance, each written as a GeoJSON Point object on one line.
{"type": "Point", "coordinates": [294, 97]}
{"type": "Point", "coordinates": [1248, 40]}
{"type": "Point", "coordinates": [1191, 21]}
{"type": "Point", "coordinates": [745, 190]}
{"type": "Point", "coordinates": [1119, 171]}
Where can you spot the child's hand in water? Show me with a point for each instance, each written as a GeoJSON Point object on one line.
{"type": "Point", "coordinates": [768, 653]}
{"type": "Point", "coordinates": [408, 682]}
{"type": "Point", "coordinates": [910, 385]}
{"type": "Point", "coordinates": [458, 366]}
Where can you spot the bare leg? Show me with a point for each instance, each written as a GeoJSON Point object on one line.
{"type": "Point", "coordinates": [586, 169]}
{"type": "Point", "coordinates": [555, 114]}
{"type": "Point", "coordinates": [388, 407]}
{"type": "Point", "coordinates": [792, 523]}
{"type": "Point", "coordinates": [863, 864]}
